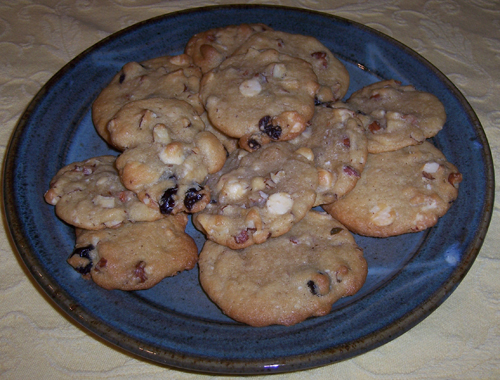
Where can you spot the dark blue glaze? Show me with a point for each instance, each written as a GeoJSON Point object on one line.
{"type": "Point", "coordinates": [175, 323]}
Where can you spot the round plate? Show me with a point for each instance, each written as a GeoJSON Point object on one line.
{"type": "Point", "coordinates": [175, 323]}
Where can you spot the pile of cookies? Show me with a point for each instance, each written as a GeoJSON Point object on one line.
{"type": "Point", "coordinates": [246, 132]}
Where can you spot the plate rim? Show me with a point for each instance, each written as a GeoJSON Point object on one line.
{"type": "Point", "coordinates": [82, 319]}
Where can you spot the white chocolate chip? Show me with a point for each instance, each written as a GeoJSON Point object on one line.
{"type": "Point", "coordinates": [306, 152]}
{"type": "Point", "coordinates": [296, 128]}
{"type": "Point", "coordinates": [172, 155]}
{"type": "Point", "coordinates": [258, 184]}
{"type": "Point", "coordinates": [431, 167]}
{"type": "Point", "coordinates": [325, 179]}
{"type": "Point", "coordinates": [102, 181]}
{"type": "Point", "coordinates": [279, 71]}
{"type": "Point", "coordinates": [234, 189]}
{"type": "Point", "coordinates": [276, 177]}
{"type": "Point", "coordinates": [382, 216]}
{"type": "Point", "coordinates": [378, 114]}
{"type": "Point", "coordinates": [279, 203]}
{"type": "Point", "coordinates": [106, 202]}
{"type": "Point", "coordinates": [113, 223]}
{"type": "Point", "coordinates": [160, 134]}
{"type": "Point", "coordinates": [250, 87]}
{"type": "Point", "coordinates": [393, 115]}
{"type": "Point", "coordinates": [431, 204]}
{"type": "Point", "coordinates": [147, 118]}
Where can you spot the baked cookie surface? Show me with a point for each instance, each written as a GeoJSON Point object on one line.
{"type": "Point", "coordinates": [163, 77]}
{"type": "Point", "coordinates": [154, 120]}
{"type": "Point", "coordinates": [230, 143]}
{"type": "Point", "coordinates": [90, 195]}
{"type": "Point", "coordinates": [258, 195]}
{"type": "Point", "coordinates": [170, 177]}
{"type": "Point", "coordinates": [260, 96]}
{"type": "Point", "coordinates": [332, 74]}
{"type": "Point", "coordinates": [134, 256]}
{"type": "Point", "coordinates": [399, 192]}
{"type": "Point", "coordinates": [396, 116]}
{"type": "Point", "coordinates": [286, 279]}
{"type": "Point", "coordinates": [209, 48]}
{"type": "Point", "coordinates": [337, 144]}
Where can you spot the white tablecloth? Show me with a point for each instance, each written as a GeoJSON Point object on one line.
{"type": "Point", "coordinates": [460, 340]}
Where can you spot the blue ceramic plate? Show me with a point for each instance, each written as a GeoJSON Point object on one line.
{"type": "Point", "coordinates": [174, 323]}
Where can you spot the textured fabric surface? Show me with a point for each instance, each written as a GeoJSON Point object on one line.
{"type": "Point", "coordinates": [460, 340]}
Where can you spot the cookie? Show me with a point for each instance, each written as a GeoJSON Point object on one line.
{"type": "Point", "coordinates": [260, 96]}
{"type": "Point", "coordinates": [258, 195]}
{"type": "Point", "coordinates": [332, 74]}
{"type": "Point", "coordinates": [209, 48]}
{"type": "Point", "coordinates": [287, 279]}
{"type": "Point", "coordinates": [90, 195]}
{"type": "Point", "coordinates": [396, 116]}
{"type": "Point", "coordinates": [163, 77]}
{"type": "Point", "coordinates": [154, 120]}
{"type": "Point", "coordinates": [134, 256]}
{"type": "Point", "coordinates": [336, 143]}
{"type": "Point", "coordinates": [170, 177]}
{"type": "Point", "coordinates": [230, 143]}
{"type": "Point", "coordinates": [399, 192]}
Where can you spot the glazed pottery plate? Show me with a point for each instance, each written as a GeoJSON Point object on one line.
{"type": "Point", "coordinates": [174, 323]}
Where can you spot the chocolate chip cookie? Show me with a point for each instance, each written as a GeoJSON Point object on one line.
{"type": "Point", "coordinates": [332, 74]}
{"type": "Point", "coordinates": [260, 96]}
{"type": "Point", "coordinates": [90, 195]}
{"type": "Point", "coordinates": [170, 177]}
{"type": "Point", "coordinates": [258, 195]}
{"type": "Point", "coordinates": [286, 279]}
{"type": "Point", "coordinates": [336, 143]}
{"type": "Point", "coordinates": [163, 77]}
{"type": "Point", "coordinates": [209, 48]}
{"type": "Point", "coordinates": [134, 256]}
{"type": "Point", "coordinates": [154, 120]}
{"type": "Point", "coordinates": [400, 191]}
{"type": "Point", "coordinates": [396, 116]}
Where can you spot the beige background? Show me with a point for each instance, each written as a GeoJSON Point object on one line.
{"type": "Point", "coordinates": [460, 340]}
